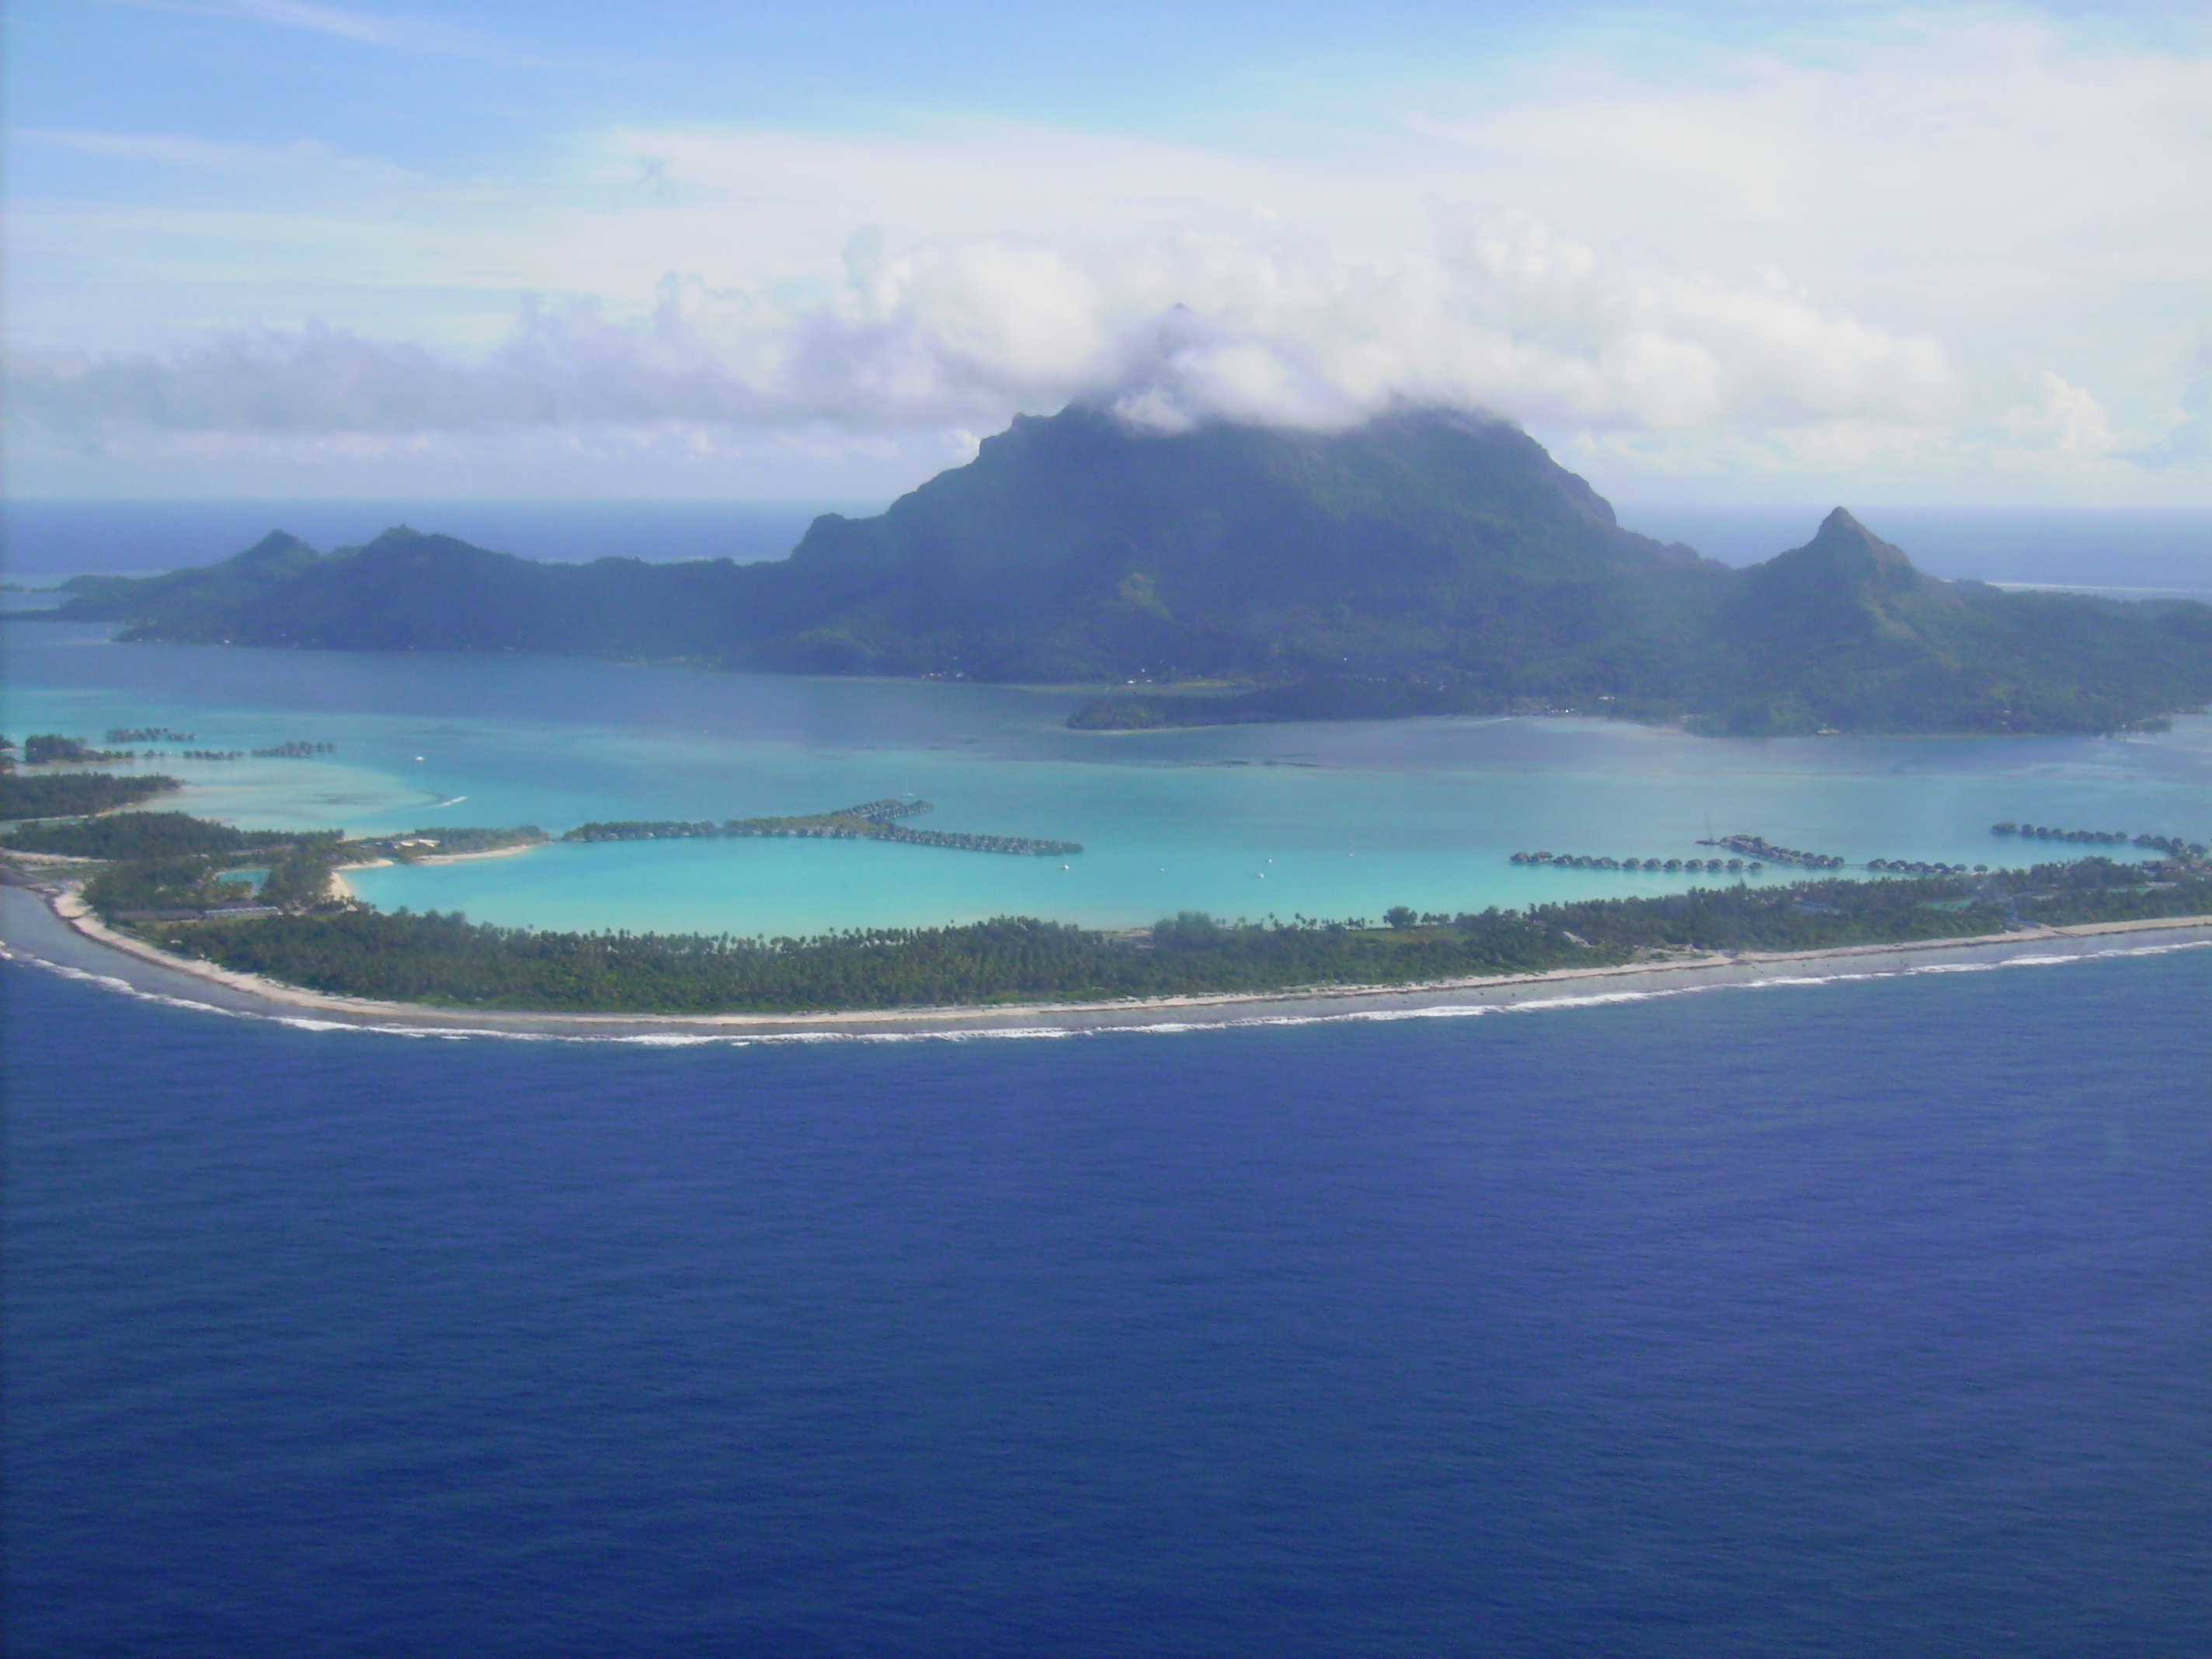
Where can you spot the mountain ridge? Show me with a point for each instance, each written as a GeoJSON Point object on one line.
{"type": "Point", "coordinates": [1427, 561]}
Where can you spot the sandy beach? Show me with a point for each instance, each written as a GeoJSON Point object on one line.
{"type": "Point", "coordinates": [344, 889]}
{"type": "Point", "coordinates": [452, 858]}
{"type": "Point", "coordinates": [55, 927]}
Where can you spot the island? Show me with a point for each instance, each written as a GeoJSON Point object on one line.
{"type": "Point", "coordinates": [71, 794]}
{"type": "Point", "coordinates": [1429, 562]}
{"type": "Point", "coordinates": [171, 867]}
{"type": "Point", "coordinates": [169, 884]}
{"type": "Point", "coordinates": [51, 793]}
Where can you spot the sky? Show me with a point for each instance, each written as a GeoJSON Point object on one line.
{"type": "Point", "coordinates": [1713, 253]}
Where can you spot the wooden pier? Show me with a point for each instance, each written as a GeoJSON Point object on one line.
{"type": "Point", "coordinates": [875, 820]}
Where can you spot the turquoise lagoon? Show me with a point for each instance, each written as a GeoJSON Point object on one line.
{"type": "Point", "coordinates": [1322, 820]}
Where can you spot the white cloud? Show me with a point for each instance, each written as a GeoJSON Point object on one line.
{"type": "Point", "coordinates": [1839, 257]}
{"type": "Point", "coordinates": [1509, 315]}
{"type": "Point", "coordinates": [671, 460]}
{"type": "Point", "coordinates": [2187, 437]}
{"type": "Point", "coordinates": [2063, 416]}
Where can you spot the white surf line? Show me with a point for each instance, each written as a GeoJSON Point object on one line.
{"type": "Point", "coordinates": [1226, 1021]}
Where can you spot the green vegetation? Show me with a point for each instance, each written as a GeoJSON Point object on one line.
{"type": "Point", "coordinates": [299, 879]}
{"type": "Point", "coordinates": [50, 749]}
{"type": "Point", "coordinates": [1427, 563]}
{"type": "Point", "coordinates": [152, 835]}
{"type": "Point", "coordinates": [443, 841]}
{"type": "Point", "coordinates": [74, 794]}
{"type": "Point", "coordinates": [1325, 697]}
{"type": "Point", "coordinates": [176, 863]}
{"type": "Point", "coordinates": [446, 960]}
{"type": "Point", "coordinates": [185, 884]}
{"type": "Point", "coordinates": [196, 602]}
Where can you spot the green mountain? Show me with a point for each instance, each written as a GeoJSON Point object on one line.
{"type": "Point", "coordinates": [1844, 634]}
{"type": "Point", "coordinates": [197, 602]}
{"type": "Point", "coordinates": [1425, 562]}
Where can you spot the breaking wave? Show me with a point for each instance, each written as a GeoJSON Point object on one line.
{"type": "Point", "coordinates": [1180, 1025]}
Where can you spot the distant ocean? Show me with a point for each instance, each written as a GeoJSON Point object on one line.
{"type": "Point", "coordinates": [2156, 550]}
{"type": "Point", "coordinates": [2142, 551]}
{"type": "Point", "coordinates": [1841, 1318]}
{"type": "Point", "coordinates": [1837, 1319]}
{"type": "Point", "coordinates": [47, 538]}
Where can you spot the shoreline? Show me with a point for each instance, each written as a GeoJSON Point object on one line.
{"type": "Point", "coordinates": [1681, 725]}
{"type": "Point", "coordinates": [451, 858]}
{"type": "Point", "coordinates": [104, 953]}
{"type": "Point", "coordinates": [344, 889]}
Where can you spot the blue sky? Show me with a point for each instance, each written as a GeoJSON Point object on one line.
{"type": "Point", "coordinates": [1759, 253]}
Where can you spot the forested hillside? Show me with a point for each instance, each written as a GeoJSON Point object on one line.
{"type": "Point", "coordinates": [1425, 562]}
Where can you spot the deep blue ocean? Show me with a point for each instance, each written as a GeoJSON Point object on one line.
{"type": "Point", "coordinates": [1848, 1319]}
{"type": "Point", "coordinates": [1857, 1318]}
